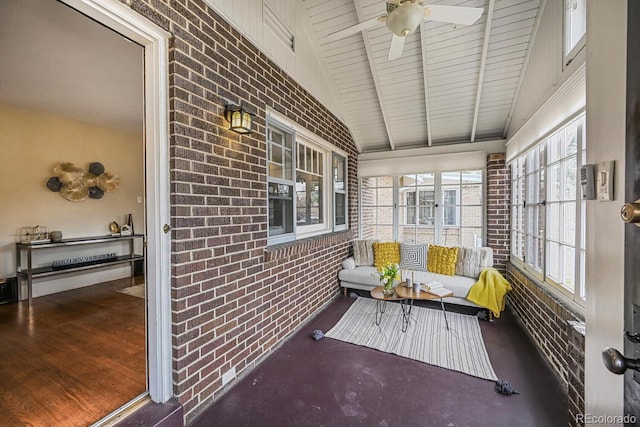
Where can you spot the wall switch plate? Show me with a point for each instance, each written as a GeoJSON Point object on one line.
{"type": "Point", "coordinates": [604, 180]}
{"type": "Point", "coordinates": [139, 199]}
{"type": "Point", "coordinates": [229, 375]}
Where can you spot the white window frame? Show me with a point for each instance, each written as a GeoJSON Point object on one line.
{"type": "Point", "coordinates": [570, 52]}
{"type": "Point", "coordinates": [573, 298]}
{"type": "Point", "coordinates": [301, 135]}
{"type": "Point", "coordinates": [326, 224]}
{"type": "Point", "coordinates": [438, 206]}
{"type": "Point", "coordinates": [456, 208]}
{"type": "Point", "coordinates": [342, 191]}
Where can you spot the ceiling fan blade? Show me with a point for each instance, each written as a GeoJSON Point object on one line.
{"type": "Point", "coordinates": [454, 14]}
{"type": "Point", "coordinates": [365, 25]}
{"type": "Point", "coordinates": [395, 51]}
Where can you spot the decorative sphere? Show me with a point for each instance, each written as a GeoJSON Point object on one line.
{"type": "Point", "coordinates": [96, 168]}
{"type": "Point", "coordinates": [95, 193]}
{"type": "Point", "coordinates": [54, 184]}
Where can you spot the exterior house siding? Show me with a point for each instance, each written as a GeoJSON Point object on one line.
{"type": "Point", "coordinates": [234, 299]}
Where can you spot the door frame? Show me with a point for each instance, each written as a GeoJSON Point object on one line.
{"type": "Point", "coordinates": [154, 40]}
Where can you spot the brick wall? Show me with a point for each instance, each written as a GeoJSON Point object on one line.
{"type": "Point", "coordinates": [498, 209]}
{"type": "Point", "coordinates": [233, 298]}
{"type": "Point", "coordinates": [546, 321]}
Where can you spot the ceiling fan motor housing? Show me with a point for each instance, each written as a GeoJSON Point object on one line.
{"type": "Point", "coordinates": [404, 19]}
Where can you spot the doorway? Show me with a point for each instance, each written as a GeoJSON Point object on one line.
{"type": "Point", "coordinates": [153, 170]}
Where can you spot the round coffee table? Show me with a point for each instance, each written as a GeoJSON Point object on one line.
{"type": "Point", "coordinates": [408, 294]}
{"type": "Point", "coordinates": [381, 302]}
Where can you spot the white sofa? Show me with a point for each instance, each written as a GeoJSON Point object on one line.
{"type": "Point", "coordinates": [470, 262]}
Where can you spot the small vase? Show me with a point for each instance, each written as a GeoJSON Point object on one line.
{"type": "Point", "coordinates": [388, 288]}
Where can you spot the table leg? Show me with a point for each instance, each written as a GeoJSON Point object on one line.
{"type": "Point", "coordinates": [444, 312]}
{"type": "Point", "coordinates": [29, 276]}
{"type": "Point", "coordinates": [380, 308]}
{"type": "Point", "coordinates": [406, 312]}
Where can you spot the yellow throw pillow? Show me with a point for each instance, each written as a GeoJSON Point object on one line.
{"type": "Point", "coordinates": [386, 253]}
{"type": "Point", "coordinates": [442, 260]}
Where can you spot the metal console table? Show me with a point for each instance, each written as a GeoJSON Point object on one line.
{"type": "Point", "coordinates": [30, 273]}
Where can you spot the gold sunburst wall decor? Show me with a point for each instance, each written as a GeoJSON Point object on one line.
{"type": "Point", "coordinates": [74, 184]}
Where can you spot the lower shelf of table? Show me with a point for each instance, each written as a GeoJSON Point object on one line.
{"type": "Point", "coordinates": [50, 271]}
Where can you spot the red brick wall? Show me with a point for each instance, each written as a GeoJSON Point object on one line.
{"type": "Point", "coordinates": [498, 209]}
{"type": "Point", "coordinates": [545, 320]}
{"type": "Point", "coordinates": [233, 298]}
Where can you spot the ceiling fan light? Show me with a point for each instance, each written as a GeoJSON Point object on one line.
{"type": "Point", "coordinates": [405, 19]}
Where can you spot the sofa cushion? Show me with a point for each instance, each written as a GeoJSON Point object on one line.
{"type": "Point", "coordinates": [471, 261]}
{"type": "Point", "coordinates": [413, 257]}
{"type": "Point", "coordinates": [459, 285]}
{"type": "Point", "coordinates": [442, 259]}
{"type": "Point", "coordinates": [361, 275]}
{"type": "Point", "coordinates": [386, 253]}
{"type": "Point", "coordinates": [363, 252]}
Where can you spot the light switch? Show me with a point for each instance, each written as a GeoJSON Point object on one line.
{"type": "Point", "coordinates": [139, 199]}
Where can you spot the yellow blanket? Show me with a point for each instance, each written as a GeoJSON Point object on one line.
{"type": "Point", "coordinates": [490, 291]}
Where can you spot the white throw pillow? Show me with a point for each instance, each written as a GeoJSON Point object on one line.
{"type": "Point", "coordinates": [363, 252]}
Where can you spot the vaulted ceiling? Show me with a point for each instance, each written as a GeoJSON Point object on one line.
{"type": "Point", "coordinates": [452, 84]}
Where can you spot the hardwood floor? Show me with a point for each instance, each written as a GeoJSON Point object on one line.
{"type": "Point", "coordinates": [73, 358]}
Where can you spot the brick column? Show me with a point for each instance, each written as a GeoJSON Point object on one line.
{"type": "Point", "coordinates": [498, 209]}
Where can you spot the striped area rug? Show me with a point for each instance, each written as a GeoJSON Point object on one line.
{"type": "Point", "coordinates": [426, 340]}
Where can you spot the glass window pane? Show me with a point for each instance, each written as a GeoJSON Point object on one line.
{"type": "Point", "coordinates": [569, 223]}
{"type": "Point", "coordinates": [471, 216]}
{"type": "Point", "coordinates": [340, 209]}
{"type": "Point", "coordinates": [384, 196]}
{"type": "Point", "coordinates": [384, 233]}
{"type": "Point", "coordinates": [451, 178]}
{"type": "Point", "coordinates": [570, 178]}
{"type": "Point", "coordinates": [553, 261]}
{"type": "Point", "coordinates": [384, 215]}
{"type": "Point", "coordinates": [280, 209]}
{"type": "Point", "coordinates": [471, 194]}
{"type": "Point", "coordinates": [309, 199]}
{"type": "Point", "coordinates": [450, 235]}
{"type": "Point", "coordinates": [553, 224]}
{"type": "Point", "coordinates": [568, 267]}
{"type": "Point", "coordinates": [554, 147]}
{"type": "Point", "coordinates": [339, 171]}
{"type": "Point", "coordinates": [471, 237]}
{"type": "Point", "coordinates": [554, 183]}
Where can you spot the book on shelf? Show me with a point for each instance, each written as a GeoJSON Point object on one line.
{"type": "Point", "coordinates": [435, 288]}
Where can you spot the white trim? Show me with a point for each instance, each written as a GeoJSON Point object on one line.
{"type": "Point", "coordinates": [567, 101]}
{"type": "Point", "coordinates": [129, 23]}
{"type": "Point", "coordinates": [469, 160]}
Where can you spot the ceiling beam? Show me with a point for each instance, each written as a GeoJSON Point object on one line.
{"type": "Point", "coordinates": [374, 73]}
{"type": "Point", "coordinates": [523, 70]}
{"type": "Point", "coordinates": [483, 63]}
{"type": "Point", "coordinates": [425, 79]}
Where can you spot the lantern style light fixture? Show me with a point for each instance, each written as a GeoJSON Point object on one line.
{"type": "Point", "coordinates": [240, 120]}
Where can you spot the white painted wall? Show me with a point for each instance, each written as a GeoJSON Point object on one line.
{"type": "Point", "coordinates": [303, 65]}
{"type": "Point", "coordinates": [544, 74]}
{"type": "Point", "coordinates": [606, 93]}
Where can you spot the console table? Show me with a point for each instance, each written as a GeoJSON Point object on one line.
{"type": "Point", "coordinates": [29, 272]}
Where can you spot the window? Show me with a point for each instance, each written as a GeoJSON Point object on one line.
{"type": "Point", "coordinates": [548, 214]}
{"type": "Point", "coordinates": [339, 191]}
{"type": "Point", "coordinates": [575, 26]}
{"type": "Point", "coordinates": [423, 206]}
{"type": "Point", "coordinates": [438, 208]}
{"type": "Point", "coordinates": [305, 198]}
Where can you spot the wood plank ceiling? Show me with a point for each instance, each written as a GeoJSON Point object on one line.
{"type": "Point", "coordinates": [452, 84]}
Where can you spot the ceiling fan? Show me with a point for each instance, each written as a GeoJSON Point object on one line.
{"type": "Point", "coordinates": [404, 16]}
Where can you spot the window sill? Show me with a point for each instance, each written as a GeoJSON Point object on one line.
{"type": "Point", "coordinates": [283, 250]}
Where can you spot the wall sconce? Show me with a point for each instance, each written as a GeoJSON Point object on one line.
{"type": "Point", "coordinates": [240, 120]}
